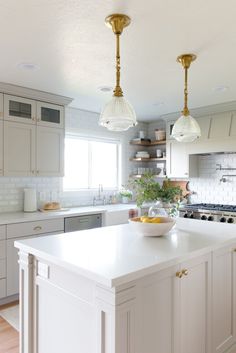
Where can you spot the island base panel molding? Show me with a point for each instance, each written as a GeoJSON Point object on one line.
{"type": "Point", "coordinates": [61, 310]}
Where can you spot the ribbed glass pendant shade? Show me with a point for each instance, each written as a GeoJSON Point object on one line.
{"type": "Point", "coordinates": [186, 129]}
{"type": "Point", "coordinates": [118, 115]}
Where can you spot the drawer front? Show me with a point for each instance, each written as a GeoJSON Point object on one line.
{"type": "Point", "coordinates": [2, 268]}
{"type": "Point", "coordinates": [2, 288]}
{"type": "Point", "coordinates": [2, 249]}
{"type": "Point", "coordinates": [33, 228]}
{"type": "Point", "coordinates": [3, 232]}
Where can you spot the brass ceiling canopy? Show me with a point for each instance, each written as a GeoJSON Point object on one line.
{"type": "Point", "coordinates": [117, 22]}
{"type": "Point", "coordinates": [186, 60]}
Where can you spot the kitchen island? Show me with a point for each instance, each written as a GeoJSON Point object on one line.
{"type": "Point", "coordinates": [110, 290]}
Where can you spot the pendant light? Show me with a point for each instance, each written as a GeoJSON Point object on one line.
{"type": "Point", "coordinates": [118, 114]}
{"type": "Point", "coordinates": [186, 128]}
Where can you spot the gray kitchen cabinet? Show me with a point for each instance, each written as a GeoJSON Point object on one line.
{"type": "Point", "coordinates": [18, 109]}
{"type": "Point", "coordinates": [224, 299]}
{"type": "Point", "coordinates": [25, 231]}
{"type": "Point", "coordinates": [33, 135]}
{"type": "Point", "coordinates": [179, 164]}
{"type": "Point", "coordinates": [50, 151]}
{"type": "Point", "coordinates": [32, 151]}
{"type": "Point", "coordinates": [50, 115]}
{"type": "Point", "coordinates": [1, 147]}
{"type": "Point", "coordinates": [19, 149]}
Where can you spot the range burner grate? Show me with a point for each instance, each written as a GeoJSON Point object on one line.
{"type": "Point", "coordinates": [210, 206]}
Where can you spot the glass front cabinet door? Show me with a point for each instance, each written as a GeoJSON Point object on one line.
{"type": "Point", "coordinates": [50, 115]}
{"type": "Point", "coordinates": [19, 109]}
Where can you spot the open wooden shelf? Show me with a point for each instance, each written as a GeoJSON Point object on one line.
{"type": "Point", "coordinates": [140, 175]}
{"type": "Point", "coordinates": [140, 159]}
{"type": "Point", "coordinates": [147, 144]}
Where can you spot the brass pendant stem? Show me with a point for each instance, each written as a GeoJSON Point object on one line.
{"type": "Point", "coordinates": [118, 91]}
{"type": "Point", "coordinates": [186, 60]}
{"type": "Point", "coordinates": [185, 110]}
{"type": "Point", "coordinates": [117, 22]}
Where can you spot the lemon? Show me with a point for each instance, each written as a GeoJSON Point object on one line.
{"type": "Point", "coordinates": [156, 220]}
{"type": "Point", "coordinates": [144, 218]}
{"type": "Point", "coordinates": [147, 219]}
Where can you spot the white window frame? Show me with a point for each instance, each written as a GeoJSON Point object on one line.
{"type": "Point", "coordinates": [97, 139]}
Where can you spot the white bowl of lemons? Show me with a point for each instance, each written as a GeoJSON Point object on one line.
{"type": "Point", "coordinates": [152, 226]}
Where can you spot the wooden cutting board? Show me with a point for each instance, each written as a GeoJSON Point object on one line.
{"type": "Point", "coordinates": [183, 184]}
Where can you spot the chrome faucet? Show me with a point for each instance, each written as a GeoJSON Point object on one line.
{"type": "Point", "coordinates": [100, 190]}
{"type": "Point", "coordinates": [99, 198]}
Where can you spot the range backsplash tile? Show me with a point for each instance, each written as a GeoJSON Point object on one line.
{"type": "Point", "coordinates": [208, 187]}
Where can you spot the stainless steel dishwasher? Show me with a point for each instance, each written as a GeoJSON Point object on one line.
{"type": "Point", "coordinates": [83, 222]}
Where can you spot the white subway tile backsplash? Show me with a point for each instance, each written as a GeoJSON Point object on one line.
{"type": "Point", "coordinates": [207, 187]}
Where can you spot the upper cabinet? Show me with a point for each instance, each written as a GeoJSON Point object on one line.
{"type": "Point", "coordinates": [23, 110]}
{"type": "Point", "coordinates": [50, 115]}
{"type": "Point", "coordinates": [19, 109]}
{"type": "Point", "coordinates": [179, 164]}
{"type": "Point", "coordinates": [1, 106]}
{"type": "Point", "coordinates": [31, 132]}
{"type": "Point", "coordinates": [1, 147]}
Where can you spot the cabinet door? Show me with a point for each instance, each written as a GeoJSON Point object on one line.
{"type": "Point", "coordinates": [1, 147]}
{"type": "Point", "coordinates": [50, 151]}
{"type": "Point", "coordinates": [1, 105]}
{"type": "Point", "coordinates": [50, 115]}
{"type": "Point", "coordinates": [177, 160]}
{"type": "Point", "coordinates": [169, 128]}
{"type": "Point", "coordinates": [19, 149]}
{"type": "Point", "coordinates": [156, 296]}
{"type": "Point", "coordinates": [224, 299]}
{"type": "Point", "coordinates": [19, 109]}
{"type": "Point", "coordinates": [194, 310]}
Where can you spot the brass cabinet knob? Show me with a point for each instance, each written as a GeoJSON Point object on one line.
{"type": "Point", "coordinates": [179, 274]}
{"type": "Point", "coordinates": [185, 272]}
{"type": "Point", "coordinates": [234, 250]}
{"type": "Point", "coordinates": [37, 228]}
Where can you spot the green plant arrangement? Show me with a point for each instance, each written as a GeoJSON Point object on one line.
{"type": "Point", "coordinates": [126, 193]}
{"type": "Point", "coordinates": [147, 189]}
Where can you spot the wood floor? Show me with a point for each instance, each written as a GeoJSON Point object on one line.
{"type": "Point", "coordinates": [9, 337]}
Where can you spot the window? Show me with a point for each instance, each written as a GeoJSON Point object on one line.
{"type": "Point", "coordinates": [90, 162]}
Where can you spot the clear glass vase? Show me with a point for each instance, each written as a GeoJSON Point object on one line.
{"type": "Point", "coordinates": [164, 209]}
{"type": "Point", "coordinates": [157, 210]}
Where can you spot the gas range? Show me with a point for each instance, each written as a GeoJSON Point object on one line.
{"type": "Point", "coordinates": [210, 212]}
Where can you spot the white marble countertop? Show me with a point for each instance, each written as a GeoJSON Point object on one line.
{"type": "Point", "coordinates": [116, 255]}
{"type": "Point", "coordinates": [18, 217]}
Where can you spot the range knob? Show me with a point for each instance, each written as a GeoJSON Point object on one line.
{"type": "Point", "coordinates": [191, 216]}
{"type": "Point", "coordinates": [186, 215]}
{"type": "Point", "coordinates": [230, 220]}
{"type": "Point", "coordinates": [204, 218]}
{"type": "Point", "coordinates": [210, 218]}
{"type": "Point", "coordinates": [223, 219]}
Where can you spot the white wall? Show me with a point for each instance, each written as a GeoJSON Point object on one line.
{"type": "Point", "coordinates": [207, 187]}
{"type": "Point", "coordinates": [83, 122]}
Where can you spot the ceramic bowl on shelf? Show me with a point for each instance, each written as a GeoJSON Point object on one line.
{"type": "Point", "coordinates": [152, 226]}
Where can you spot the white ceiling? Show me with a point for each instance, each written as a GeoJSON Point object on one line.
{"type": "Point", "coordinates": [75, 50]}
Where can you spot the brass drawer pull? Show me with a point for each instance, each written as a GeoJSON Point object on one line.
{"type": "Point", "coordinates": [179, 274]}
{"type": "Point", "coordinates": [38, 228]}
{"type": "Point", "coordinates": [182, 273]}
